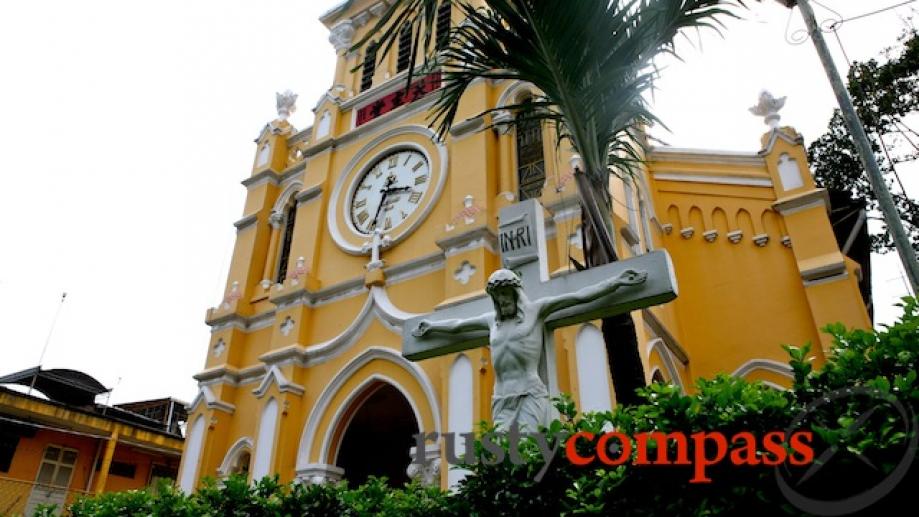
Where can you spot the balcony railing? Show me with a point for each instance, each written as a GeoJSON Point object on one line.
{"type": "Point", "coordinates": [18, 497]}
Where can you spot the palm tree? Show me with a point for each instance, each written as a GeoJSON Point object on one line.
{"type": "Point", "coordinates": [592, 61]}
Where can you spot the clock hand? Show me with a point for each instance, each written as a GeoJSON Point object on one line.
{"type": "Point", "coordinates": [397, 189]}
{"type": "Point", "coordinates": [373, 224]}
{"type": "Point", "coordinates": [385, 191]}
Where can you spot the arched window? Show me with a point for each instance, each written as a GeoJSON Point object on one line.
{"type": "Point", "coordinates": [443, 25]}
{"type": "Point", "coordinates": [531, 164]}
{"type": "Point", "coordinates": [241, 464]}
{"type": "Point", "coordinates": [658, 377]}
{"type": "Point", "coordinates": [290, 216]}
{"type": "Point", "coordinates": [405, 49]}
{"type": "Point", "coordinates": [370, 66]}
{"type": "Point", "coordinates": [263, 154]}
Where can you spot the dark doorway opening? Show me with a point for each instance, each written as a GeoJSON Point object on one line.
{"type": "Point", "coordinates": [378, 438]}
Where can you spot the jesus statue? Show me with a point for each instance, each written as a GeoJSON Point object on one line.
{"type": "Point", "coordinates": [516, 332]}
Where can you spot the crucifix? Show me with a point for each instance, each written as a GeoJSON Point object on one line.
{"type": "Point", "coordinates": [523, 306]}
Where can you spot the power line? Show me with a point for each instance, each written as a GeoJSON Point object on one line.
{"type": "Point", "coordinates": [872, 13]}
{"type": "Point", "coordinates": [864, 95]}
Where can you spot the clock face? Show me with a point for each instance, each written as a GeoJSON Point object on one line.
{"type": "Point", "coordinates": [390, 191]}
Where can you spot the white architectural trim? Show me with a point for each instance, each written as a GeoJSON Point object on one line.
{"type": "Point", "coordinates": [811, 199]}
{"type": "Point", "coordinates": [284, 385]}
{"type": "Point", "coordinates": [266, 437]}
{"type": "Point", "coordinates": [386, 310]}
{"type": "Point", "coordinates": [207, 397]}
{"type": "Point", "coordinates": [325, 398]}
{"type": "Point", "coordinates": [243, 444]}
{"type": "Point", "coordinates": [658, 345]}
{"type": "Point", "coordinates": [245, 222]}
{"type": "Point", "coordinates": [510, 93]}
{"type": "Point", "coordinates": [775, 135]}
{"type": "Point", "coordinates": [291, 189]}
{"type": "Point", "coordinates": [327, 349]}
{"type": "Point", "coordinates": [593, 374]}
{"type": "Point", "coordinates": [746, 181]}
{"type": "Point", "coordinates": [188, 476]}
{"type": "Point", "coordinates": [305, 196]}
{"type": "Point", "coordinates": [768, 365]}
{"type": "Point", "coordinates": [316, 473]}
{"type": "Point", "coordinates": [346, 179]}
{"type": "Point", "coordinates": [705, 156]}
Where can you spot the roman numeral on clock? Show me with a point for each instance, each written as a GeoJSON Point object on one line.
{"type": "Point", "coordinates": [415, 197]}
{"type": "Point", "coordinates": [421, 179]}
{"type": "Point", "coordinates": [360, 204]}
{"type": "Point", "coordinates": [363, 216]}
{"type": "Point", "coordinates": [387, 224]}
{"type": "Point", "coordinates": [416, 166]}
{"type": "Point", "coordinates": [393, 161]}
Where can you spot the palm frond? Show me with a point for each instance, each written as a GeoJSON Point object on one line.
{"type": "Point", "coordinates": [591, 60]}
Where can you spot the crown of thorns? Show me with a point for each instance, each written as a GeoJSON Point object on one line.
{"type": "Point", "coordinates": [502, 278]}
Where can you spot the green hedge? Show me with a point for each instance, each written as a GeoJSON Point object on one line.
{"type": "Point", "coordinates": [880, 365]}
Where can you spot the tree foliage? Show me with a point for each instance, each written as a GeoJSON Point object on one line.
{"type": "Point", "coordinates": [885, 94]}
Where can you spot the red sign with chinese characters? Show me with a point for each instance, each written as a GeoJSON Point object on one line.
{"type": "Point", "coordinates": [400, 97]}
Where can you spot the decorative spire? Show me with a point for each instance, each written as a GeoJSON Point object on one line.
{"type": "Point", "coordinates": [287, 104]}
{"type": "Point", "coordinates": [768, 107]}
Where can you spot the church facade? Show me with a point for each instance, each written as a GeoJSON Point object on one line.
{"type": "Point", "coordinates": [366, 220]}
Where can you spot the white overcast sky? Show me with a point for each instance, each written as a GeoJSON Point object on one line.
{"type": "Point", "coordinates": [126, 127]}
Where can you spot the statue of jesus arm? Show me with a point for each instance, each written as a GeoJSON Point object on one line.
{"type": "Point", "coordinates": [549, 304]}
{"type": "Point", "coordinates": [452, 326]}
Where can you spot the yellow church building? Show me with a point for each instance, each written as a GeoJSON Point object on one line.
{"type": "Point", "coordinates": [305, 376]}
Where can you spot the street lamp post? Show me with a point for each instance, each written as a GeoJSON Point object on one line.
{"type": "Point", "coordinates": [885, 201]}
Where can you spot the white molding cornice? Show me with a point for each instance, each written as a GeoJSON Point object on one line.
{"type": "Point", "coordinates": [719, 179]}
{"type": "Point", "coordinates": [478, 237]}
{"type": "Point", "coordinates": [811, 199]}
{"type": "Point", "coordinates": [266, 176]}
{"type": "Point", "coordinates": [275, 376]}
{"type": "Point", "coordinates": [246, 222]}
{"type": "Point", "coordinates": [704, 156]}
{"type": "Point", "coordinates": [306, 195]}
{"type": "Point", "coordinates": [206, 396]}
{"type": "Point", "coordinates": [467, 127]}
{"type": "Point", "coordinates": [316, 473]}
{"type": "Point", "coordinates": [768, 365]}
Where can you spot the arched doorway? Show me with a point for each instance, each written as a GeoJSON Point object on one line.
{"type": "Point", "coordinates": [377, 437]}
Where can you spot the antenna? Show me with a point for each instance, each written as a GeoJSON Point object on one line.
{"type": "Point", "coordinates": [44, 349]}
{"type": "Point", "coordinates": [108, 396]}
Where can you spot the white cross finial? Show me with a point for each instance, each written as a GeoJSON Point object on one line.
{"type": "Point", "coordinates": [377, 242]}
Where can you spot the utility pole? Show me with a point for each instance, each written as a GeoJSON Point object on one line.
{"type": "Point", "coordinates": [862, 144]}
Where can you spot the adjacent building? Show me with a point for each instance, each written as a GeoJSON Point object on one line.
{"type": "Point", "coordinates": [57, 443]}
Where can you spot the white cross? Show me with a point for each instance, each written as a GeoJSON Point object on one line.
{"type": "Point", "coordinates": [377, 242]}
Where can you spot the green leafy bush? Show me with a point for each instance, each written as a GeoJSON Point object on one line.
{"type": "Point", "coordinates": [854, 406]}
